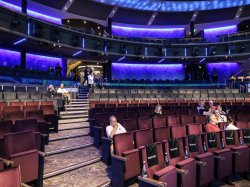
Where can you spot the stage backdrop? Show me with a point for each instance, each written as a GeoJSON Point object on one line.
{"type": "Point", "coordinates": [148, 71]}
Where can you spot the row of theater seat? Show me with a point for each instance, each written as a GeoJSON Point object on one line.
{"type": "Point", "coordinates": [16, 88]}
{"type": "Point", "coordinates": [165, 91]}
{"type": "Point", "coordinates": [199, 167]}
{"type": "Point", "coordinates": [195, 96]}
{"type": "Point", "coordinates": [21, 149]}
{"type": "Point", "coordinates": [27, 96]}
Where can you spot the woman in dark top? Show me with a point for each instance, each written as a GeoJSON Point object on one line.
{"type": "Point", "coordinates": [157, 111]}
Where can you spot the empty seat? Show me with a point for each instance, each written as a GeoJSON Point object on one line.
{"type": "Point", "coordinates": [32, 103]}
{"type": "Point", "coordinates": [202, 119]}
{"type": "Point", "coordinates": [125, 162]}
{"type": "Point", "coordinates": [8, 88]}
{"type": "Point", "coordinates": [161, 133]}
{"type": "Point", "coordinates": [143, 137]}
{"type": "Point", "coordinates": [35, 114]}
{"type": "Point", "coordinates": [35, 95]}
{"type": "Point", "coordinates": [20, 148]}
{"type": "Point", "coordinates": [31, 89]}
{"type": "Point", "coordinates": [243, 117]}
{"type": "Point", "coordinates": [145, 113]}
{"type": "Point", "coordinates": [30, 107]}
{"type": "Point", "coordinates": [173, 120]}
{"type": "Point", "coordinates": [129, 124]}
{"type": "Point", "coordinates": [131, 115]}
{"type": "Point", "coordinates": [47, 103]}
{"type": "Point", "coordinates": [144, 123]}
{"type": "Point", "coordinates": [159, 121]}
{"type": "Point", "coordinates": [10, 177]}
{"type": "Point", "coordinates": [13, 115]}
{"type": "Point", "coordinates": [9, 96]}
{"type": "Point", "coordinates": [181, 112]}
{"type": "Point", "coordinates": [156, 168]}
{"type": "Point", "coordinates": [21, 104]}
{"type": "Point", "coordinates": [11, 108]}
{"type": "Point", "coordinates": [186, 119]}
{"type": "Point", "coordinates": [23, 96]}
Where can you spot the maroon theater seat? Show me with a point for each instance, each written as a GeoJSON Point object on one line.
{"type": "Point", "coordinates": [159, 121]}
{"type": "Point", "coordinates": [178, 131]}
{"type": "Point", "coordinates": [10, 177]}
{"type": "Point", "coordinates": [144, 123]}
{"type": "Point", "coordinates": [145, 114]}
{"type": "Point", "coordinates": [243, 117]}
{"type": "Point", "coordinates": [32, 103]}
{"type": "Point", "coordinates": [6, 127]}
{"type": "Point", "coordinates": [125, 161]}
{"type": "Point", "coordinates": [143, 137]}
{"type": "Point", "coordinates": [20, 148]}
{"type": "Point", "coordinates": [186, 168]}
{"type": "Point", "coordinates": [204, 160]}
{"type": "Point", "coordinates": [202, 119]}
{"type": "Point", "coordinates": [13, 115]}
{"type": "Point", "coordinates": [50, 116]}
{"type": "Point", "coordinates": [47, 103]}
{"type": "Point", "coordinates": [129, 124]}
{"type": "Point", "coordinates": [240, 152]}
{"type": "Point", "coordinates": [30, 107]}
{"type": "Point", "coordinates": [181, 112]}
{"type": "Point", "coordinates": [161, 134]}
{"type": "Point", "coordinates": [186, 119]}
{"type": "Point", "coordinates": [173, 120]}
{"type": "Point", "coordinates": [11, 108]}
{"type": "Point", "coordinates": [20, 103]}
{"type": "Point", "coordinates": [131, 115]}
{"type": "Point", "coordinates": [223, 157]}
{"type": "Point", "coordinates": [156, 168]}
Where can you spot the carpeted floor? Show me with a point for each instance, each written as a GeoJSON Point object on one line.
{"type": "Point", "coordinates": [93, 175]}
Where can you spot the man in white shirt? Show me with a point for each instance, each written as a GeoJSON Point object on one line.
{"type": "Point", "coordinates": [64, 92]}
{"type": "Point", "coordinates": [114, 128]}
{"type": "Point", "coordinates": [91, 81]}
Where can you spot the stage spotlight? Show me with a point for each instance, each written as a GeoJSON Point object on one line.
{"type": "Point", "coordinates": [76, 41]}
{"type": "Point", "coordinates": [212, 51]}
{"type": "Point", "coordinates": [196, 51]}
{"type": "Point", "coordinates": [54, 35]}
{"type": "Point", "coordinates": [38, 30]}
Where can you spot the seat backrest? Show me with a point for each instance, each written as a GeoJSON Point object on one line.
{"type": "Point", "coordinates": [21, 104]}
{"type": "Point", "coordinates": [129, 124]}
{"type": "Point", "coordinates": [145, 114]}
{"type": "Point", "coordinates": [231, 138]}
{"type": "Point", "coordinates": [173, 120]}
{"type": "Point", "coordinates": [151, 167]}
{"type": "Point", "coordinates": [123, 142]}
{"type": "Point", "coordinates": [161, 134]}
{"type": "Point", "coordinates": [186, 119]}
{"type": "Point", "coordinates": [144, 123]}
{"type": "Point", "coordinates": [10, 177]}
{"type": "Point", "coordinates": [30, 107]}
{"type": "Point", "coordinates": [242, 124]}
{"type": "Point", "coordinates": [6, 127]}
{"type": "Point", "coordinates": [200, 119]}
{"type": "Point", "coordinates": [23, 95]}
{"type": "Point", "coordinates": [11, 108]}
{"type": "Point", "coordinates": [2, 104]}
{"type": "Point", "coordinates": [35, 114]}
{"type": "Point", "coordinates": [174, 148]}
{"type": "Point", "coordinates": [131, 115]}
{"type": "Point", "coordinates": [181, 112]}
{"type": "Point", "coordinates": [194, 128]}
{"type": "Point", "coordinates": [178, 131]}
{"type": "Point", "coordinates": [159, 121]}
{"type": "Point", "coordinates": [35, 95]}
{"type": "Point", "coordinates": [9, 95]}
{"type": "Point", "coordinates": [18, 142]}
{"type": "Point", "coordinates": [243, 117]}
{"type": "Point", "coordinates": [213, 141]}
{"type": "Point", "coordinates": [26, 125]}
{"type": "Point", "coordinates": [100, 118]}
{"type": "Point", "coordinates": [32, 103]}
{"type": "Point", "coordinates": [143, 137]}
{"type": "Point", "coordinates": [13, 115]}
{"type": "Point", "coordinates": [47, 103]}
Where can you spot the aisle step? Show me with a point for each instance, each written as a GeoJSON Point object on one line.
{"type": "Point", "coordinates": [68, 116]}
{"type": "Point", "coordinates": [62, 121]}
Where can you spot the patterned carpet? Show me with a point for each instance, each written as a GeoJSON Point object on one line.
{"type": "Point", "coordinates": [90, 176]}
{"type": "Point", "coordinates": [60, 161]}
{"type": "Point", "coordinates": [67, 143]}
{"type": "Point", "coordinates": [73, 132]}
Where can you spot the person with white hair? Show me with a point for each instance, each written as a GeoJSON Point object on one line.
{"type": "Point", "coordinates": [64, 92]}
{"type": "Point", "coordinates": [51, 90]}
{"type": "Point", "coordinates": [157, 111]}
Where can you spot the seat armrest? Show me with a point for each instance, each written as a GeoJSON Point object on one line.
{"type": "Point", "coordinates": [119, 158]}
{"type": "Point", "coordinates": [158, 174]}
{"type": "Point", "coordinates": [201, 163]}
{"type": "Point", "coordinates": [237, 153]}
{"type": "Point", "coordinates": [7, 162]}
{"type": "Point", "coordinates": [130, 152]}
{"type": "Point", "coordinates": [150, 182]}
{"type": "Point", "coordinates": [219, 158]}
{"type": "Point", "coordinates": [24, 153]}
{"type": "Point", "coordinates": [182, 171]}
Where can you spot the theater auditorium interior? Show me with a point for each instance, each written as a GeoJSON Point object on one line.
{"type": "Point", "coordinates": [125, 93]}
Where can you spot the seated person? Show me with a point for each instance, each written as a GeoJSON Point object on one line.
{"type": "Point", "coordinates": [64, 92]}
{"type": "Point", "coordinates": [207, 109]}
{"type": "Point", "coordinates": [201, 107]}
{"type": "Point", "coordinates": [211, 105]}
{"type": "Point", "coordinates": [220, 117]}
{"type": "Point", "coordinates": [158, 111]}
{"type": "Point", "coordinates": [230, 125]}
{"type": "Point", "coordinates": [114, 128]}
{"type": "Point", "coordinates": [212, 125]}
{"type": "Point", "coordinates": [51, 90]}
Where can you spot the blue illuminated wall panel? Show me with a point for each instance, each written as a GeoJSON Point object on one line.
{"type": "Point", "coordinates": [225, 70]}
{"type": "Point", "coordinates": [41, 63]}
{"type": "Point", "coordinates": [9, 58]}
{"type": "Point", "coordinates": [148, 71]}
{"type": "Point", "coordinates": [213, 33]}
{"type": "Point", "coordinates": [147, 32]}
